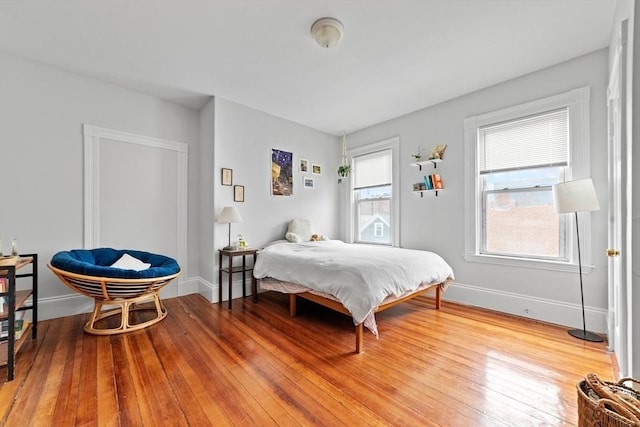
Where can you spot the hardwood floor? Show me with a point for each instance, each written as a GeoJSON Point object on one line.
{"type": "Point", "coordinates": [256, 365]}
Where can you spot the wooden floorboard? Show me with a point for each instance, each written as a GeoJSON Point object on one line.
{"type": "Point", "coordinates": [256, 365]}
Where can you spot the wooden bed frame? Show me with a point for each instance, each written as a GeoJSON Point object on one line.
{"type": "Point", "coordinates": [337, 306]}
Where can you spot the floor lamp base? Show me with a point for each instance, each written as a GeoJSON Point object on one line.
{"type": "Point", "coordinates": [585, 335]}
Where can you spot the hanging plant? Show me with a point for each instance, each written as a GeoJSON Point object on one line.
{"type": "Point", "coordinates": [345, 168]}
{"type": "Point", "coordinates": [343, 172]}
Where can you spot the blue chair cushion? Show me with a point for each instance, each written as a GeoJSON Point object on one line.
{"type": "Point", "coordinates": [97, 263]}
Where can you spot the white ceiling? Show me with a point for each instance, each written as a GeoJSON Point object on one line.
{"type": "Point", "coordinates": [395, 56]}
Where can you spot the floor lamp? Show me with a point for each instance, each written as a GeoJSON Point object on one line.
{"type": "Point", "coordinates": [229, 215]}
{"type": "Point", "coordinates": [577, 196]}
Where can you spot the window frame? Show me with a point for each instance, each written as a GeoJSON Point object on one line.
{"type": "Point", "coordinates": [577, 102]}
{"type": "Point", "coordinates": [392, 144]}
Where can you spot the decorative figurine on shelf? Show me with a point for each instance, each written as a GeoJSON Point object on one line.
{"type": "Point", "coordinates": [418, 155]}
{"type": "Point", "coordinates": [437, 152]}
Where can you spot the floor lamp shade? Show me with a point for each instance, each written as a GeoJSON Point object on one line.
{"type": "Point", "coordinates": [229, 215]}
{"type": "Point", "coordinates": [573, 197]}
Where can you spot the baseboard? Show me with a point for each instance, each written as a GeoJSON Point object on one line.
{"type": "Point", "coordinates": [546, 310]}
{"type": "Point", "coordinates": [72, 304]}
{"type": "Point", "coordinates": [210, 290]}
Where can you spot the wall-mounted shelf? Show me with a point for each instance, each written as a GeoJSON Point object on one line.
{"type": "Point", "coordinates": [426, 191]}
{"type": "Point", "coordinates": [426, 162]}
{"type": "Point", "coordinates": [432, 182]}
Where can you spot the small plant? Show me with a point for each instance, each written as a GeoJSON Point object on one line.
{"type": "Point", "coordinates": [418, 155]}
{"type": "Point", "coordinates": [343, 172]}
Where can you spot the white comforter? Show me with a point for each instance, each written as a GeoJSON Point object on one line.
{"type": "Point", "coordinates": [359, 276]}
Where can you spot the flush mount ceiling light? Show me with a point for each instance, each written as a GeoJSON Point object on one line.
{"type": "Point", "coordinates": [327, 32]}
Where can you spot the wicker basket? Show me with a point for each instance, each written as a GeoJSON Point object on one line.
{"type": "Point", "coordinates": [600, 404]}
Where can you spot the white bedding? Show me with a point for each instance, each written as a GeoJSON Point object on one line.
{"type": "Point", "coordinates": [359, 276]}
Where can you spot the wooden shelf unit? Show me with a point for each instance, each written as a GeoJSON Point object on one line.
{"type": "Point", "coordinates": [230, 269]}
{"type": "Point", "coordinates": [17, 301]}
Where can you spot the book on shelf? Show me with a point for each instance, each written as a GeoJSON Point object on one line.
{"type": "Point", "coordinates": [428, 182]}
{"type": "Point", "coordinates": [21, 326]}
{"type": "Point", "coordinates": [3, 289]}
{"type": "Point", "coordinates": [437, 181]}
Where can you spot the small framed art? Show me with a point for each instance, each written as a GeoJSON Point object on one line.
{"type": "Point", "coordinates": [304, 165]}
{"type": "Point", "coordinates": [227, 176]}
{"type": "Point", "coordinates": [238, 193]}
{"type": "Point", "coordinates": [316, 169]}
{"type": "Point", "coordinates": [308, 183]}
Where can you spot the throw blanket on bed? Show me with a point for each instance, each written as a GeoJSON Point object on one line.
{"type": "Point", "coordinates": [359, 276]}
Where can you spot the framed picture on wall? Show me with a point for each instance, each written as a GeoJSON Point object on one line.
{"type": "Point", "coordinates": [227, 176]}
{"type": "Point", "coordinates": [308, 183]}
{"type": "Point", "coordinates": [304, 165]}
{"type": "Point", "coordinates": [281, 172]}
{"type": "Point", "coordinates": [238, 193]}
{"type": "Point", "coordinates": [316, 169]}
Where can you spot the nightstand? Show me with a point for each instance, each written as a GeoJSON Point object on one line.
{"type": "Point", "coordinates": [230, 269]}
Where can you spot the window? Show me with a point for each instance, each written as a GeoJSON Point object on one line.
{"type": "Point", "coordinates": [519, 161]}
{"type": "Point", "coordinates": [514, 156]}
{"type": "Point", "coordinates": [374, 201]}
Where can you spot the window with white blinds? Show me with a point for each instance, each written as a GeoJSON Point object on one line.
{"type": "Point", "coordinates": [532, 142]}
{"type": "Point", "coordinates": [374, 202]}
{"type": "Point", "coordinates": [372, 170]}
{"type": "Point", "coordinates": [514, 157]}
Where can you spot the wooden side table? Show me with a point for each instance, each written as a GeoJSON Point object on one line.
{"type": "Point", "coordinates": [230, 269]}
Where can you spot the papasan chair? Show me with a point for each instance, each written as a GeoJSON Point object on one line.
{"type": "Point", "coordinates": [124, 278]}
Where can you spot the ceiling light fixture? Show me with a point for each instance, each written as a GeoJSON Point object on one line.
{"type": "Point", "coordinates": [327, 32]}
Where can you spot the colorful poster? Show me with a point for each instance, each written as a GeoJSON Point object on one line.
{"type": "Point", "coordinates": [281, 173]}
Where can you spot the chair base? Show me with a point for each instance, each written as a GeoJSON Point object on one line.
{"type": "Point", "coordinates": [125, 307]}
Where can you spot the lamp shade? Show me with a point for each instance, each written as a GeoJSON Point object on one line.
{"type": "Point", "coordinates": [575, 196]}
{"type": "Point", "coordinates": [229, 215]}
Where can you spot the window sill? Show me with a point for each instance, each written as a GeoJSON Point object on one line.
{"type": "Point", "coordinates": [528, 263]}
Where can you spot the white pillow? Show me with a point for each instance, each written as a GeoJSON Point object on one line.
{"type": "Point", "coordinates": [127, 262]}
{"type": "Point", "coordinates": [292, 237]}
{"type": "Point", "coordinates": [299, 230]}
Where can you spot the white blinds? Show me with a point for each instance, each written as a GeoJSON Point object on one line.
{"type": "Point", "coordinates": [535, 141]}
{"type": "Point", "coordinates": [372, 170]}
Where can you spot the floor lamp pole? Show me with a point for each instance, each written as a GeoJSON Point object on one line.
{"type": "Point", "coordinates": [582, 334]}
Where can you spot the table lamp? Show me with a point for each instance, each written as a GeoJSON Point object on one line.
{"type": "Point", "coordinates": [229, 215]}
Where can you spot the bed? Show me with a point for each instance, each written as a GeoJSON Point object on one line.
{"type": "Point", "coordinates": [356, 280]}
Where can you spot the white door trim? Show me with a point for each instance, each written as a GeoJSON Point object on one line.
{"type": "Point", "coordinates": [93, 136]}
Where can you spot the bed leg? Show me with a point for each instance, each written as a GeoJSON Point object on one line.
{"type": "Point", "coordinates": [292, 305]}
{"type": "Point", "coordinates": [438, 296]}
{"type": "Point", "coordinates": [359, 337]}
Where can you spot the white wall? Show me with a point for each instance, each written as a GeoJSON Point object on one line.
{"type": "Point", "coordinates": [243, 141]}
{"type": "Point", "coordinates": [437, 224]}
{"type": "Point", "coordinates": [42, 109]}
